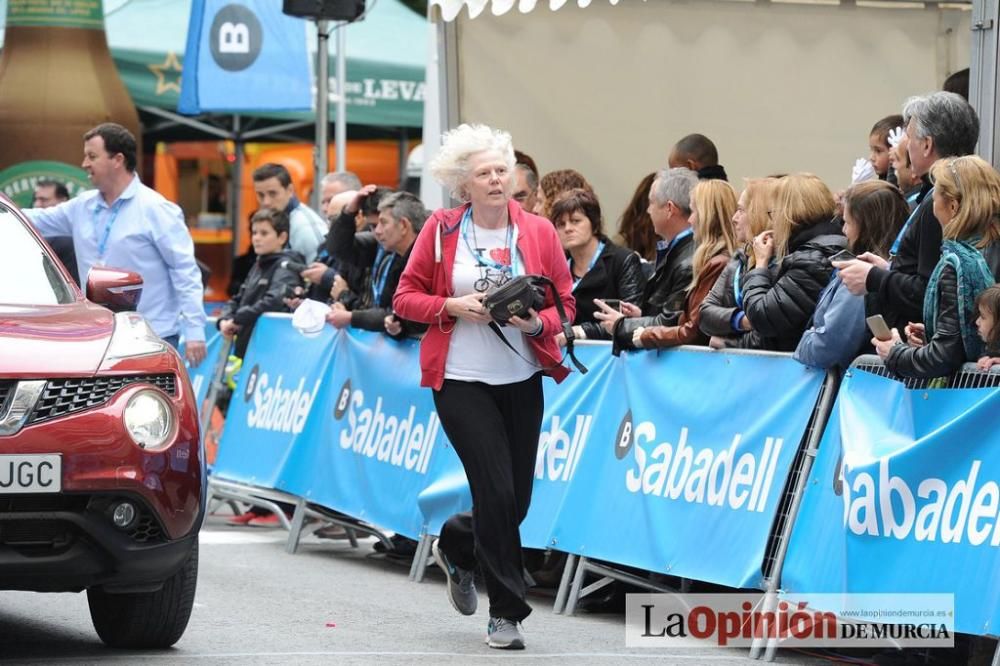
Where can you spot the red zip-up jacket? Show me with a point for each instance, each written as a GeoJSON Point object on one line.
{"type": "Point", "coordinates": [426, 284]}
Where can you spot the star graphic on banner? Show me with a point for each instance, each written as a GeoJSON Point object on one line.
{"type": "Point", "coordinates": [168, 74]}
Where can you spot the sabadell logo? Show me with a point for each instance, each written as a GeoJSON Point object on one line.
{"type": "Point", "coordinates": [236, 38]}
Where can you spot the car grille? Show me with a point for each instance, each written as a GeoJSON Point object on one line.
{"type": "Point", "coordinates": [6, 388]}
{"type": "Point", "coordinates": [45, 530]}
{"type": "Point", "coordinates": [66, 396]}
{"type": "Point", "coordinates": [41, 533]}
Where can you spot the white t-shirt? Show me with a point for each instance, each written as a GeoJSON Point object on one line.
{"type": "Point", "coordinates": [476, 354]}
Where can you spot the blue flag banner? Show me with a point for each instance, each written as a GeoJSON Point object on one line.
{"type": "Point", "coordinates": [274, 402]}
{"type": "Point", "coordinates": [685, 466]}
{"type": "Point", "coordinates": [373, 441]}
{"type": "Point", "coordinates": [904, 497]}
{"type": "Point", "coordinates": [244, 55]}
{"type": "Point", "coordinates": [201, 377]}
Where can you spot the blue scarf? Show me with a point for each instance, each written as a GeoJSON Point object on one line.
{"type": "Point", "coordinates": [974, 276]}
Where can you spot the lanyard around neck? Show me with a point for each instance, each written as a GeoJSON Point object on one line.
{"type": "Point", "coordinates": [511, 268]}
{"type": "Point", "coordinates": [383, 260]}
{"type": "Point", "coordinates": [113, 210]}
{"type": "Point", "coordinates": [894, 250]}
{"type": "Point", "coordinates": [593, 260]}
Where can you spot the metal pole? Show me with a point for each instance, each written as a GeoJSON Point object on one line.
{"type": "Point", "coordinates": [341, 127]}
{"type": "Point", "coordinates": [322, 109]}
{"type": "Point", "coordinates": [236, 203]}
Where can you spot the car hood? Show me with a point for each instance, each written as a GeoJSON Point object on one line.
{"type": "Point", "coordinates": [53, 340]}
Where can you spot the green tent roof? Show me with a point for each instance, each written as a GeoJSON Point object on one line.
{"type": "Point", "coordinates": [387, 54]}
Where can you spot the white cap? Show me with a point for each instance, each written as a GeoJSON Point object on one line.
{"type": "Point", "coordinates": [310, 317]}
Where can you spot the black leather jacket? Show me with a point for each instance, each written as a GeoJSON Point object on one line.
{"type": "Point", "coordinates": [262, 291]}
{"type": "Point", "coordinates": [943, 354]}
{"type": "Point", "coordinates": [617, 273]}
{"type": "Point", "coordinates": [779, 304]}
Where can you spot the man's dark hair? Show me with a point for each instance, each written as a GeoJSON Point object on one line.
{"type": "Point", "coordinates": [530, 177]}
{"type": "Point", "coordinates": [272, 170]}
{"type": "Point", "coordinates": [369, 205]}
{"type": "Point", "coordinates": [882, 128]}
{"type": "Point", "coordinates": [117, 139]}
{"type": "Point", "coordinates": [526, 160]}
{"type": "Point", "coordinates": [276, 218]}
{"type": "Point", "coordinates": [958, 83]}
{"type": "Point", "coordinates": [698, 148]}
{"type": "Point", "coordinates": [60, 189]}
{"type": "Point", "coordinates": [405, 204]}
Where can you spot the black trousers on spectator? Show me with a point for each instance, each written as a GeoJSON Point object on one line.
{"type": "Point", "coordinates": [494, 430]}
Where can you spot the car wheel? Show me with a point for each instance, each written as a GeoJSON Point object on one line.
{"type": "Point", "coordinates": [147, 619]}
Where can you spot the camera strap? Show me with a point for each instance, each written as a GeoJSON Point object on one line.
{"type": "Point", "coordinates": [567, 329]}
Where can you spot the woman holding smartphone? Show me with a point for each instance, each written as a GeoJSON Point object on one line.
{"type": "Point", "coordinates": [599, 268]}
{"type": "Point", "coordinates": [874, 212]}
{"type": "Point", "coordinates": [967, 204]}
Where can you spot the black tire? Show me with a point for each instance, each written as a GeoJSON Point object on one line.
{"type": "Point", "coordinates": [147, 619]}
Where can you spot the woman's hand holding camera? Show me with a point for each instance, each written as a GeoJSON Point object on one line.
{"type": "Point", "coordinates": [532, 325]}
{"type": "Point", "coordinates": [469, 307]}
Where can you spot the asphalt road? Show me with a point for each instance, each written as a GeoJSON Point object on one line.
{"type": "Point", "coordinates": [328, 604]}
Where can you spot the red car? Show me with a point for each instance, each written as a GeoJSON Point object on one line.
{"type": "Point", "coordinates": [102, 477]}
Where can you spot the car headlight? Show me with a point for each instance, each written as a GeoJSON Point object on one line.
{"type": "Point", "coordinates": [149, 420]}
{"type": "Point", "coordinates": [132, 337]}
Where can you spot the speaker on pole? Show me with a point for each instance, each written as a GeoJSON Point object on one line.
{"type": "Point", "coordinates": [325, 10]}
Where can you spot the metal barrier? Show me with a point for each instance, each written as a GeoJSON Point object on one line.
{"type": "Point", "coordinates": [968, 377]}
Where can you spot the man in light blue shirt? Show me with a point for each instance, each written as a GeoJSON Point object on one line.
{"type": "Point", "coordinates": [124, 224]}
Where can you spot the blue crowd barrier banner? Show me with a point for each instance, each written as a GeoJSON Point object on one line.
{"type": "Point", "coordinates": [274, 402]}
{"type": "Point", "coordinates": [373, 441]}
{"type": "Point", "coordinates": [686, 465]}
{"type": "Point", "coordinates": [904, 497]}
{"type": "Point", "coordinates": [573, 414]}
{"type": "Point", "coordinates": [201, 376]}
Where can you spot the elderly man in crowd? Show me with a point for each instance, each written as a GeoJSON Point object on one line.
{"type": "Point", "coordinates": [938, 125]}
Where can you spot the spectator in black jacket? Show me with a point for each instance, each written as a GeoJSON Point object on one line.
{"type": "Point", "coordinates": [386, 250]}
{"type": "Point", "coordinates": [779, 303]}
{"type": "Point", "coordinates": [967, 202]}
{"type": "Point", "coordinates": [600, 269]}
{"type": "Point", "coordinates": [666, 291]}
{"type": "Point", "coordinates": [938, 125]}
{"type": "Point", "coordinates": [264, 288]}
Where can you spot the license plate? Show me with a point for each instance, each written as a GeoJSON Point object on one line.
{"type": "Point", "coordinates": [30, 474]}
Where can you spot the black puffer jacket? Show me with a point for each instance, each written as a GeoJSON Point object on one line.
{"type": "Point", "coordinates": [617, 273]}
{"type": "Point", "coordinates": [943, 354]}
{"type": "Point", "coordinates": [262, 291]}
{"type": "Point", "coordinates": [779, 304]}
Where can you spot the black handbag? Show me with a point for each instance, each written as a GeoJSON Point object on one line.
{"type": "Point", "coordinates": [516, 297]}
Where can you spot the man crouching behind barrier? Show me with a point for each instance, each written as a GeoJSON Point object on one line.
{"type": "Point", "coordinates": [486, 380]}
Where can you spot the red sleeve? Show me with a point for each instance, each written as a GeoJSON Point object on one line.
{"type": "Point", "coordinates": [414, 299]}
{"type": "Point", "coordinates": [558, 270]}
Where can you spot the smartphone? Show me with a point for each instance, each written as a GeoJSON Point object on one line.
{"type": "Point", "coordinates": [843, 255]}
{"type": "Point", "coordinates": [879, 328]}
{"type": "Point", "coordinates": [613, 303]}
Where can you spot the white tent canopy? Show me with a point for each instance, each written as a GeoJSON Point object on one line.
{"type": "Point", "coordinates": [607, 86]}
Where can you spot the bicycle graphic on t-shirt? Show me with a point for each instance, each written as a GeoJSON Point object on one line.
{"type": "Point", "coordinates": [491, 279]}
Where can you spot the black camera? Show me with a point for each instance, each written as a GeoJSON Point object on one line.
{"type": "Point", "coordinates": [516, 297]}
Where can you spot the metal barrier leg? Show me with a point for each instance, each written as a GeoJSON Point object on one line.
{"type": "Point", "coordinates": [574, 593]}
{"type": "Point", "coordinates": [560, 604]}
{"type": "Point", "coordinates": [421, 566]}
{"type": "Point", "coordinates": [996, 655]}
{"type": "Point", "coordinates": [760, 642]}
{"type": "Point", "coordinates": [295, 531]}
{"type": "Point", "coordinates": [418, 556]}
{"type": "Point", "coordinates": [206, 407]}
{"type": "Point", "coordinates": [352, 537]}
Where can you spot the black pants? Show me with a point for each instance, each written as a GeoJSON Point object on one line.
{"type": "Point", "coordinates": [494, 430]}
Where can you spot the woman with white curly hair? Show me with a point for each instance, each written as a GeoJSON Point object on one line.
{"type": "Point", "coordinates": [487, 390]}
